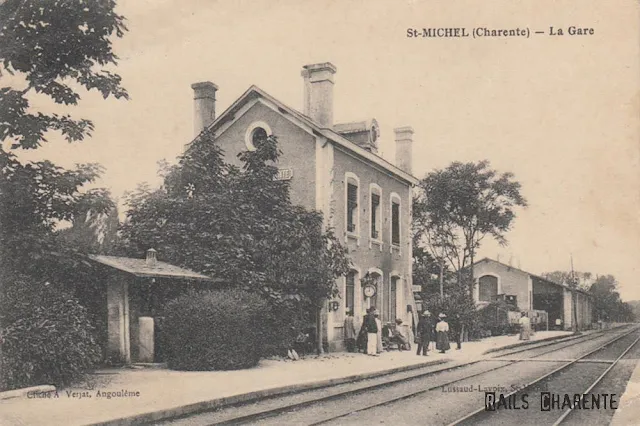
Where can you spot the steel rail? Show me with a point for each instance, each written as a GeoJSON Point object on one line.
{"type": "Point", "coordinates": [270, 412]}
{"type": "Point", "coordinates": [543, 344]}
{"type": "Point", "coordinates": [594, 384]}
{"type": "Point", "coordinates": [277, 410]}
{"type": "Point", "coordinates": [575, 339]}
{"type": "Point", "coordinates": [539, 379]}
{"type": "Point", "coordinates": [414, 393]}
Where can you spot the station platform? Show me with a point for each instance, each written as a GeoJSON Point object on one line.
{"type": "Point", "coordinates": [129, 396]}
{"type": "Point", "coordinates": [628, 412]}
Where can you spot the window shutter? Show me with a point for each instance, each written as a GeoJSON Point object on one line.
{"type": "Point", "coordinates": [395, 223]}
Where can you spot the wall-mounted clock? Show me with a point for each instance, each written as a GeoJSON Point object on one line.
{"type": "Point", "coordinates": [369, 291]}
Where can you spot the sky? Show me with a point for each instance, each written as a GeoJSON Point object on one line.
{"type": "Point", "coordinates": [561, 113]}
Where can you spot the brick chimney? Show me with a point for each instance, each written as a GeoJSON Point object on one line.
{"type": "Point", "coordinates": [318, 92]}
{"type": "Point", "coordinates": [204, 105]}
{"type": "Point", "coordinates": [404, 147]}
{"type": "Point", "coordinates": [152, 258]}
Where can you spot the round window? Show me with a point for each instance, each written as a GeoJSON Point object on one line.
{"type": "Point", "coordinates": [256, 134]}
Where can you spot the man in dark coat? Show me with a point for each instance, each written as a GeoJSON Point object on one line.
{"type": "Point", "coordinates": [424, 333]}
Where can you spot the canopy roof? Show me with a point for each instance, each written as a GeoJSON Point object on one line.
{"type": "Point", "coordinates": [141, 268]}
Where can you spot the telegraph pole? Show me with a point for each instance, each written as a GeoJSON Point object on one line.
{"type": "Point", "coordinates": [574, 295]}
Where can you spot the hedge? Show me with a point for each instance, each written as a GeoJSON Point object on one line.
{"type": "Point", "coordinates": [47, 337]}
{"type": "Point", "coordinates": [216, 330]}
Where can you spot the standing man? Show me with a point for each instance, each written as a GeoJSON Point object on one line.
{"type": "Point", "coordinates": [424, 333]}
{"type": "Point", "coordinates": [372, 332]}
{"type": "Point", "coordinates": [350, 332]}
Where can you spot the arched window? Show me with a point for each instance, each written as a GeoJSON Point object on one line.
{"type": "Point", "coordinates": [488, 288]}
{"type": "Point", "coordinates": [375, 218]}
{"type": "Point", "coordinates": [352, 201]}
{"type": "Point", "coordinates": [349, 291]}
{"type": "Point", "coordinates": [395, 219]}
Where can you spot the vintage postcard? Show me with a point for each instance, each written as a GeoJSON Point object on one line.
{"type": "Point", "coordinates": [319, 212]}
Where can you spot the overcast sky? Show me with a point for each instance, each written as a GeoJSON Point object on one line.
{"type": "Point", "coordinates": [562, 113]}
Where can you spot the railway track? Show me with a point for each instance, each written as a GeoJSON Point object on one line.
{"type": "Point", "coordinates": [543, 344]}
{"type": "Point", "coordinates": [570, 378]}
{"type": "Point", "coordinates": [353, 398]}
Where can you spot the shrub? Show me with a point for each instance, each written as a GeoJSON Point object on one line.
{"type": "Point", "coordinates": [216, 330]}
{"type": "Point", "coordinates": [494, 319]}
{"type": "Point", "coordinates": [47, 337]}
{"type": "Point", "coordinates": [457, 305]}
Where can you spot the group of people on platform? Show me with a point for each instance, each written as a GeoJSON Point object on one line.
{"type": "Point", "coordinates": [436, 330]}
{"type": "Point", "coordinates": [373, 335]}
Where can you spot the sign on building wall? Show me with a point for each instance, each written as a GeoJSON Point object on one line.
{"type": "Point", "coordinates": [284, 174]}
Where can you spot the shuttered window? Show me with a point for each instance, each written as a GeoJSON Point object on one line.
{"type": "Point", "coordinates": [395, 223]}
{"type": "Point", "coordinates": [352, 207]}
{"type": "Point", "coordinates": [350, 291]}
{"type": "Point", "coordinates": [375, 216]}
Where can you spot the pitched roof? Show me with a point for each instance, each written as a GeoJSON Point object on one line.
{"type": "Point", "coordinates": [486, 259]}
{"type": "Point", "coordinates": [139, 268]}
{"type": "Point", "coordinates": [352, 127]}
{"type": "Point", "coordinates": [255, 92]}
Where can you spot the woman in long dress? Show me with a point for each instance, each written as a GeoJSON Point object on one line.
{"type": "Point", "coordinates": [442, 334]}
{"type": "Point", "coordinates": [379, 347]}
{"type": "Point", "coordinates": [525, 326]}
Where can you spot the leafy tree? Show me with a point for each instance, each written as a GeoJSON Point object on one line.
{"type": "Point", "coordinates": [48, 49]}
{"type": "Point", "coordinates": [634, 305]}
{"type": "Point", "coordinates": [425, 268]}
{"type": "Point", "coordinates": [428, 255]}
{"type": "Point", "coordinates": [239, 225]}
{"type": "Point", "coordinates": [607, 303]}
{"type": "Point", "coordinates": [435, 278]}
{"type": "Point", "coordinates": [459, 206]}
{"type": "Point", "coordinates": [54, 46]}
{"type": "Point", "coordinates": [93, 231]}
{"type": "Point", "coordinates": [457, 304]}
{"type": "Point", "coordinates": [582, 279]}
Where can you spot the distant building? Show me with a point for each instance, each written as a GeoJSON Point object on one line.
{"type": "Point", "coordinates": [334, 168]}
{"type": "Point", "coordinates": [495, 280]}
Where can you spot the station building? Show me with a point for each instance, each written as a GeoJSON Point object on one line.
{"type": "Point", "coordinates": [334, 168]}
{"type": "Point", "coordinates": [530, 292]}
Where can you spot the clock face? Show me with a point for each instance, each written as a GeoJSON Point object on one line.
{"type": "Point", "coordinates": [369, 291]}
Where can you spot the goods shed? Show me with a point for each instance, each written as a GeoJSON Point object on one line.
{"type": "Point", "coordinates": [530, 293]}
